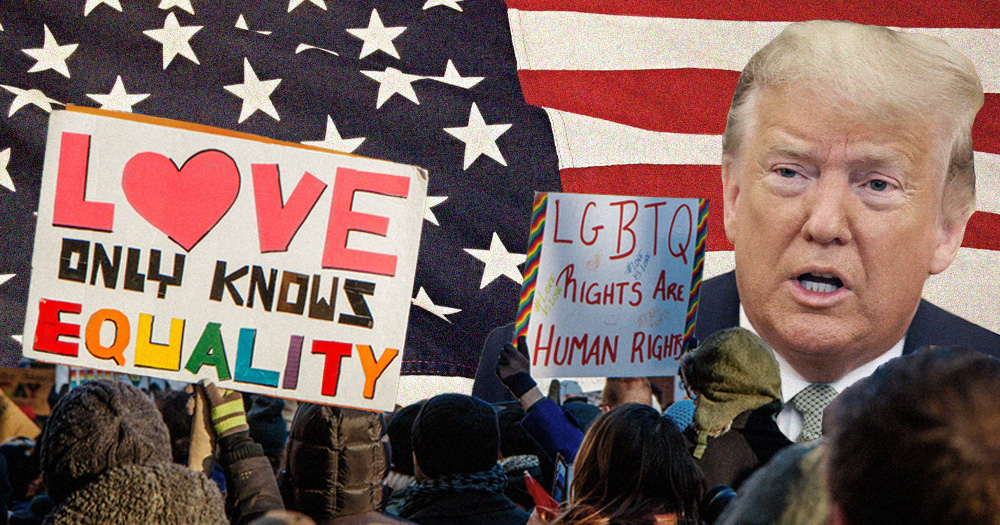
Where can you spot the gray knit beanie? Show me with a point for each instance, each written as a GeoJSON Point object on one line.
{"type": "Point", "coordinates": [96, 427]}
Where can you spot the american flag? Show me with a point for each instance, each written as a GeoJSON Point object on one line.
{"type": "Point", "coordinates": [634, 96]}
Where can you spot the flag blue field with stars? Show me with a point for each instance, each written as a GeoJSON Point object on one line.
{"type": "Point", "coordinates": [431, 83]}
{"type": "Point", "coordinates": [635, 96]}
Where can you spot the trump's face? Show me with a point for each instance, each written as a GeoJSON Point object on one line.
{"type": "Point", "coordinates": [837, 223]}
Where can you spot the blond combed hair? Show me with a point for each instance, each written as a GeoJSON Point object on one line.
{"type": "Point", "coordinates": [873, 72]}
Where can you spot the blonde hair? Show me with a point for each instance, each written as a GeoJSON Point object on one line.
{"type": "Point", "coordinates": [873, 70]}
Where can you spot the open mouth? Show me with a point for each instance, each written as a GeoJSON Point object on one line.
{"type": "Point", "coordinates": [821, 283]}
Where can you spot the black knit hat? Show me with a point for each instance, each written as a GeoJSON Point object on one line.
{"type": "Point", "coordinates": [98, 426]}
{"type": "Point", "coordinates": [455, 434]}
{"type": "Point", "coordinates": [399, 430]}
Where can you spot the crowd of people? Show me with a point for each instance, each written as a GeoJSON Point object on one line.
{"type": "Point", "coordinates": [915, 442]}
{"type": "Point", "coordinates": [825, 390]}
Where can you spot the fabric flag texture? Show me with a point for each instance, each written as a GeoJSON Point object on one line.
{"type": "Point", "coordinates": [637, 94]}
{"type": "Point", "coordinates": [634, 96]}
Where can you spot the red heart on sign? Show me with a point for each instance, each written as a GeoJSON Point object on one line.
{"type": "Point", "coordinates": [183, 203]}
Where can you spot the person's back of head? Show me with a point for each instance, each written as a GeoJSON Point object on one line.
{"type": "Point", "coordinates": [399, 429]}
{"type": "Point", "coordinates": [621, 390]}
{"type": "Point", "coordinates": [633, 464]}
{"type": "Point", "coordinates": [335, 462]}
{"type": "Point", "coordinates": [918, 441]}
{"type": "Point", "coordinates": [455, 434]}
{"type": "Point", "coordinates": [106, 458]}
{"type": "Point", "coordinates": [96, 427]}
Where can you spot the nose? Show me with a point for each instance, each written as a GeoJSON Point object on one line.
{"type": "Point", "coordinates": [827, 220]}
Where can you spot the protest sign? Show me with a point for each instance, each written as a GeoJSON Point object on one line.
{"type": "Point", "coordinates": [184, 252]}
{"type": "Point", "coordinates": [28, 387]}
{"type": "Point", "coordinates": [611, 284]}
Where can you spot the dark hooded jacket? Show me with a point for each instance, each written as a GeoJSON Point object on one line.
{"type": "Point", "coordinates": [335, 463]}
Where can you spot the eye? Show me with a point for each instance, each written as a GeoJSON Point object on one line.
{"type": "Point", "coordinates": [787, 173]}
{"type": "Point", "coordinates": [878, 185]}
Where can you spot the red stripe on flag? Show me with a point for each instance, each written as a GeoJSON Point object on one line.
{"type": "Point", "coordinates": [938, 13]}
{"type": "Point", "coordinates": [672, 100]}
{"type": "Point", "coordinates": [696, 181]}
{"type": "Point", "coordinates": [656, 180]}
{"type": "Point", "coordinates": [983, 231]}
{"type": "Point", "coordinates": [986, 130]}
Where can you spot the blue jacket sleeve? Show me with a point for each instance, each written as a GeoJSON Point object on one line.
{"type": "Point", "coordinates": [553, 430]}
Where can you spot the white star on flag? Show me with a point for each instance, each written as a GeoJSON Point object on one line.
{"type": "Point", "coordinates": [5, 277]}
{"type": "Point", "coordinates": [334, 141]}
{"type": "Point", "coordinates": [91, 4]}
{"type": "Point", "coordinates": [23, 97]}
{"type": "Point", "coordinates": [182, 4]}
{"type": "Point", "coordinates": [447, 3]}
{"type": "Point", "coordinates": [5, 179]}
{"type": "Point", "coordinates": [51, 55]}
{"type": "Point", "coordinates": [452, 77]}
{"type": "Point", "coordinates": [424, 301]}
{"type": "Point", "coordinates": [118, 99]}
{"type": "Point", "coordinates": [175, 39]}
{"type": "Point", "coordinates": [292, 4]}
{"type": "Point", "coordinates": [429, 212]}
{"type": "Point", "coordinates": [377, 37]}
{"type": "Point", "coordinates": [498, 262]}
{"type": "Point", "coordinates": [393, 81]}
{"type": "Point", "coordinates": [256, 93]}
{"type": "Point", "coordinates": [480, 138]}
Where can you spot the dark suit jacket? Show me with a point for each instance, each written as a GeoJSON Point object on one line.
{"type": "Point", "coordinates": [755, 436]}
{"type": "Point", "coordinates": [719, 308]}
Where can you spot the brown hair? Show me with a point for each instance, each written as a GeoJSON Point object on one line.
{"type": "Point", "coordinates": [633, 464]}
{"type": "Point", "coordinates": [918, 441]}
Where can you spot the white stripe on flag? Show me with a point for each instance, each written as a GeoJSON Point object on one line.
{"type": "Point", "coordinates": [583, 142]}
{"type": "Point", "coordinates": [551, 40]}
{"type": "Point", "coordinates": [413, 388]}
{"type": "Point", "coordinates": [987, 182]}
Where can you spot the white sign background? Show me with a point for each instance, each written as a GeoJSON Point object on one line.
{"type": "Point", "coordinates": [114, 140]}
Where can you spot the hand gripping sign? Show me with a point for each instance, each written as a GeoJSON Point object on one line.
{"type": "Point", "coordinates": [611, 284]}
{"type": "Point", "coordinates": [185, 252]}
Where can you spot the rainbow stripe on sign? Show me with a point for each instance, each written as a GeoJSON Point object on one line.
{"type": "Point", "coordinates": [699, 265]}
{"type": "Point", "coordinates": [531, 265]}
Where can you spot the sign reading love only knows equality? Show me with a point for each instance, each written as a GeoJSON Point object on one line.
{"type": "Point", "coordinates": [611, 284]}
{"type": "Point", "coordinates": [184, 252]}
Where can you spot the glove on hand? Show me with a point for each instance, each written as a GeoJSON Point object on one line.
{"type": "Point", "coordinates": [514, 368]}
{"type": "Point", "coordinates": [227, 413]}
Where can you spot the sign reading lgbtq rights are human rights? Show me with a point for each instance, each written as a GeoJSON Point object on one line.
{"type": "Point", "coordinates": [184, 252]}
{"type": "Point", "coordinates": [611, 286]}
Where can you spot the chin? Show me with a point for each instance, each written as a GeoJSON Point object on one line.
{"type": "Point", "coordinates": [812, 336]}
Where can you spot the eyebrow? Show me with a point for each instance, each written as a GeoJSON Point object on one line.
{"type": "Point", "coordinates": [885, 157]}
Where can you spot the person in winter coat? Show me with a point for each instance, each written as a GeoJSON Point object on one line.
{"type": "Point", "coordinates": [106, 458]}
{"type": "Point", "coordinates": [335, 463]}
{"type": "Point", "coordinates": [456, 443]}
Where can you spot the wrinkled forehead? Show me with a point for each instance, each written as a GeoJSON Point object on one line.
{"type": "Point", "coordinates": [791, 115]}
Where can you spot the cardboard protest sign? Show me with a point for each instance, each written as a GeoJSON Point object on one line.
{"type": "Point", "coordinates": [611, 284]}
{"type": "Point", "coordinates": [185, 252]}
{"type": "Point", "coordinates": [28, 387]}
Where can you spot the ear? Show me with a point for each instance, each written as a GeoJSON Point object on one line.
{"type": "Point", "coordinates": [950, 235]}
{"type": "Point", "coordinates": [730, 194]}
